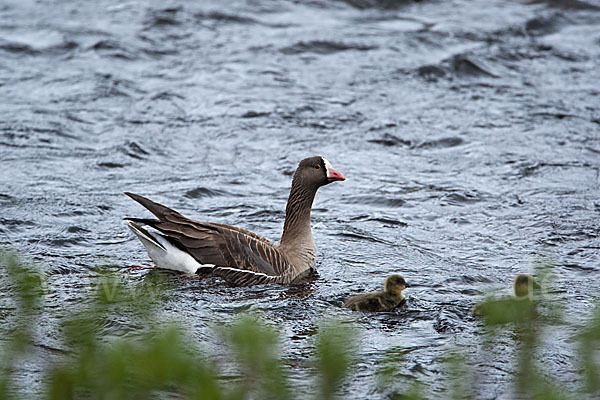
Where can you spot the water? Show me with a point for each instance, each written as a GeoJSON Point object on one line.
{"type": "Point", "coordinates": [469, 131]}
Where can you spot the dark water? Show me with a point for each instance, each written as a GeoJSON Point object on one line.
{"type": "Point", "coordinates": [469, 131]}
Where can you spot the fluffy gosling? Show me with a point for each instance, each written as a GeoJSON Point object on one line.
{"type": "Point", "coordinates": [382, 300]}
{"type": "Point", "coordinates": [520, 307]}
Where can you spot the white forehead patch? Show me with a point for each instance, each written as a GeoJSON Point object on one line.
{"type": "Point", "coordinates": [328, 166]}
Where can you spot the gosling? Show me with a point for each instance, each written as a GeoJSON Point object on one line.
{"type": "Point", "coordinates": [382, 300]}
{"type": "Point", "coordinates": [506, 309]}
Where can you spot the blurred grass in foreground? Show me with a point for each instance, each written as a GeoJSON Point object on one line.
{"type": "Point", "coordinates": [163, 361]}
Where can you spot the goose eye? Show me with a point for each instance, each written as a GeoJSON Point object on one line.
{"type": "Point", "coordinates": [317, 166]}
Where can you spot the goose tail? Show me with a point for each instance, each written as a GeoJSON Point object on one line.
{"type": "Point", "coordinates": [164, 253]}
{"type": "Point", "coordinates": [157, 209]}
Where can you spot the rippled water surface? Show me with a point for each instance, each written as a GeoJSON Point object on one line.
{"type": "Point", "coordinates": [469, 132]}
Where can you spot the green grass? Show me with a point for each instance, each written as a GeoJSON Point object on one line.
{"type": "Point", "coordinates": [163, 360]}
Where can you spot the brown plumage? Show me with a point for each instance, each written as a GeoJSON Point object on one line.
{"type": "Point", "coordinates": [238, 255]}
{"type": "Point", "coordinates": [383, 300]}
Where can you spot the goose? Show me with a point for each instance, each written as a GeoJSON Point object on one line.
{"type": "Point", "coordinates": [239, 256]}
{"type": "Point", "coordinates": [519, 307]}
{"type": "Point", "coordinates": [383, 300]}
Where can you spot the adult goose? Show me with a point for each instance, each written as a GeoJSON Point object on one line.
{"type": "Point", "coordinates": [239, 256]}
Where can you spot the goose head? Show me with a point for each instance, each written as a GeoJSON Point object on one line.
{"type": "Point", "coordinates": [316, 172]}
{"type": "Point", "coordinates": [524, 285]}
{"type": "Point", "coordinates": [395, 284]}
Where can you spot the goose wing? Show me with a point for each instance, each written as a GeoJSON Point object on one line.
{"type": "Point", "coordinates": [239, 256]}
